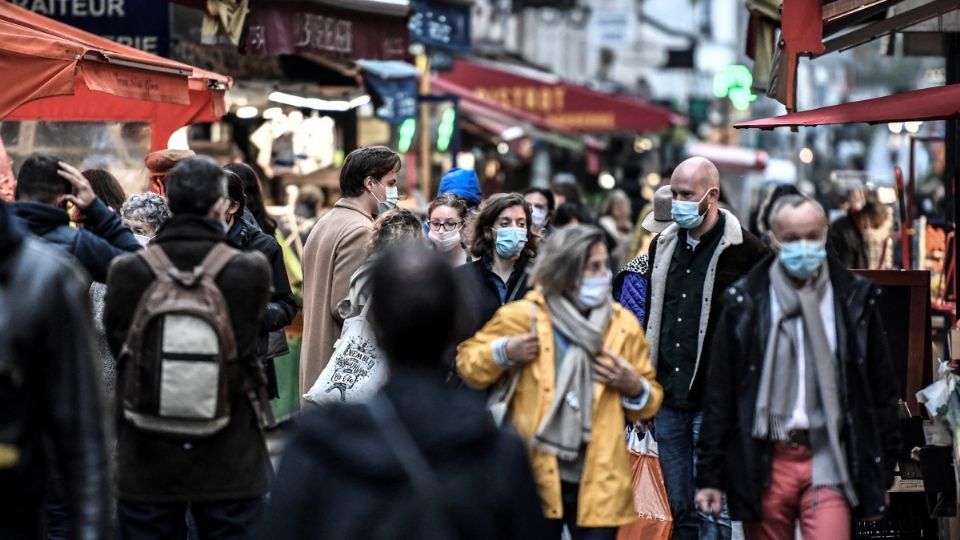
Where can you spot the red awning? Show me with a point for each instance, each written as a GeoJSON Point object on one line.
{"type": "Point", "coordinates": [554, 104]}
{"type": "Point", "coordinates": [55, 72]}
{"type": "Point", "coordinates": [919, 105]}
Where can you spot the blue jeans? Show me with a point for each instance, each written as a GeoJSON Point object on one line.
{"type": "Point", "coordinates": [677, 432]}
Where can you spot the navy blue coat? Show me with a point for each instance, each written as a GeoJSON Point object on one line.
{"type": "Point", "coordinates": [103, 237]}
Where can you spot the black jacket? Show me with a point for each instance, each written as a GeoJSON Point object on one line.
{"type": "Point", "coordinates": [340, 479]}
{"type": "Point", "coordinates": [282, 307]}
{"type": "Point", "coordinates": [103, 237]}
{"type": "Point", "coordinates": [232, 463]}
{"type": "Point", "coordinates": [49, 384]}
{"type": "Point", "coordinates": [479, 281]}
{"type": "Point", "coordinates": [733, 264]}
{"type": "Point", "coordinates": [846, 243]}
{"type": "Point", "coordinates": [732, 460]}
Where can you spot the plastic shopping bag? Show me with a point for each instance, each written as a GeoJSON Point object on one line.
{"type": "Point", "coordinates": [649, 493]}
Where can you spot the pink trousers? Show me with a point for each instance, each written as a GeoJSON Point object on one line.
{"type": "Point", "coordinates": [823, 513]}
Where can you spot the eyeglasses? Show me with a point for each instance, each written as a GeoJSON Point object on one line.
{"type": "Point", "coordinates": [447, 225]}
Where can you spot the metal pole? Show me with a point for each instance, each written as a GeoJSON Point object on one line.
{"type": "Point", "coordinates": [426, 182]}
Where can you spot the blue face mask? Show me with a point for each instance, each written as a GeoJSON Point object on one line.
{"type": "Point", "coordinates": [510, 240]}
{"type": "Point", "coordinates": [802, 258]}
{"type": "Point", "coordinates": [687, 213]}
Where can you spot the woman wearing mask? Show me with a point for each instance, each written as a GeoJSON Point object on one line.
{"type": "Point", "coordinates": [503, 244]}
{"type": "Point", "coordinates": [583, 372]}
{"type": "Point", "coordinates": [541, 209]}
{"type": "Point", "coordinates": [446, 217]}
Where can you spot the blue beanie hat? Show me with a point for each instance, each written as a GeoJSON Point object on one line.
{"type": "Point", "coordinates": [461, 182]}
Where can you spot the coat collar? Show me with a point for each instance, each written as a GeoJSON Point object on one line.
{"type": "Point", "coordinates": [351, 203]}
{"type": "Point", "coordinates": [190, 228]}
{"type": "Point", "coordinates": [732, 230]}
{"type": "Point", "coordinates": [40, 218]}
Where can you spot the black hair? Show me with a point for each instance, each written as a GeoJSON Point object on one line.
{"type": "Point", "coordinates": [254, 195]}
{"type": "Point", "coordinates": [38, 180]}
{"type": "Point", "coordinates": [373, 161]}
{"type": "Point", "coordinates": [106, 187]}
{"type": "Point", "coordinates": [547, 194]}
{"type": "Point", "coordinates": [235, 191]}
{"type": "Point", "coordinates": [568, 212]}
{"type": "Point", "coordinates": [413, 280]}
{"type": "Point", "coordinates": [764, 215]}
{"type": "Point", "coordinates": [569, 190]}
{"type": "Point", "coordinates": [194, 185]}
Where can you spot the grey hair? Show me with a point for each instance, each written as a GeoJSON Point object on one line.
{"type": "Point", "coordinates": [560, 265]}
{"type": "Point", "coordinates": [148, 208]}
{"type": "Point", "coordinates": [794, 201]}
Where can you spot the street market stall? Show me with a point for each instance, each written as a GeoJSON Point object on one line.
{"type": "Point", "coordinates": [55, 72]}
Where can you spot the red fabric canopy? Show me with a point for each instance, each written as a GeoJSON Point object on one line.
{"type": "Point", "coordinates": [553, 103]}
{"type": "Point", "coordinates": [55, 72]}
{"type": "Point", "coordinates": [927, 104]}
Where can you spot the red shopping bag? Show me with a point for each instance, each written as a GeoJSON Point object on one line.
{"type": "Point", "coordinates": [649, 494]}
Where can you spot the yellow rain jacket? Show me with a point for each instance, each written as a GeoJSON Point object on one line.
{"type": "Point", "coordinates": [606, 492]}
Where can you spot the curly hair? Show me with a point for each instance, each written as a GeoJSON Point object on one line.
{"type": "Point", "coordinates": [147, 208]}
{"type": "Point", "coordinates": [484, 240]}
{"type": "Point", "coordinates": [397, 225]}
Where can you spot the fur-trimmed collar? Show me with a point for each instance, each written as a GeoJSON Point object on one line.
{"type": "Point", "coordinates": [732, 230]}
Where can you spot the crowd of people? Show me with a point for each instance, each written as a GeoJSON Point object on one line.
{"type": "Point", "coordinates": [522, 335]}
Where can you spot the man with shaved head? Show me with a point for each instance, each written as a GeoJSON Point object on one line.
{"type": "Point", "coordinates": [691, 263]}
{"type": "Point", "coordinates": [799, 421]}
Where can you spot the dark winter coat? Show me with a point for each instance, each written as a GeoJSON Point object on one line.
{"type": "Point", "coordinates": [729, 458]}
{"type": "Point", "coordinates": [481, 283]}
{"type": "Point", "coordinates": [49, 384]}
{"type": "Point", "coordinates": [340, 479]}
{"type": "Point", "coordinates": [232, 463]}
{"type": "Point", "coordinates": [103, 237]}
{"type": "Point", "coordinates": [846, 243]}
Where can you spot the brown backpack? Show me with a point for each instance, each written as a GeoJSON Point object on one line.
{"type": "Point", "coordinates": [175, 359]}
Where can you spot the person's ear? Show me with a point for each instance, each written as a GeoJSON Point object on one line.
{"type": "Point", "coordinates": [368, 183]}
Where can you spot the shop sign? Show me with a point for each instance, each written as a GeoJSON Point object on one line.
{"type": "Point", "coordinates": [395, 99]}
{"type": "Point", "coordinates": [141, 24]}
{"type": "Point", "coordinates": [441, 26]}
{"type": "Point", "coordinates": [335, 33]}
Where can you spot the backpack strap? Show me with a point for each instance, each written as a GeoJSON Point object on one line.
{"type": "Point", "coordinates": [219, 256]}
{"type": "Point", "coordinates": [157, 260]}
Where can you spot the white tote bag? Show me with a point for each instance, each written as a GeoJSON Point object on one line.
{"type": "Point", "coordinates": [357, 368]}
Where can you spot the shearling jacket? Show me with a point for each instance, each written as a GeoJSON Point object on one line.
{"type": "Point", "coordinates": [734, 256]}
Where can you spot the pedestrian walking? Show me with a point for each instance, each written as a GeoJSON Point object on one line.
{"type": "Point", "coordinates": [421, 460]}
{"type": "Point", "coordinates": [282, 307]}
{"type": "Point", "coordinates": [847, 239]}
{"type": "Point", "coordinates": [185, 314]}
{"type": "Point", "coordinates": [691, 263]}
{"type": "Point", "coordinates": [615, 219]}
{"type": "Point", "coordinates": [446, 219]}
{"type": "Point", "coordinates": [50, 391]}
{"type": "Point", "coordinates": [144, 214]}
{"type": "Point", "coordinates": [799, 421]}
{"type": "Point", "coordinates": [504, 245]}
{"type": "Point", "coordinates": [44, 185]}
{"type": "Point", "coordinates": [631, 285]}
{"type": "Point", "coordinates": [335, 248]}
{"type": "Point", "coordinates": [254, 205]}
{"type": "Point", "coordinates": [392, 228]}
{"type": "Point", "coordinates": [541, 209]}
{"type": "Point", "coordinates": [582, 371]}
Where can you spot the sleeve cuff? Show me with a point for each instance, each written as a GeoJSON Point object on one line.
{"type": "Point", "coordinates": [637, 403]}
{"type": "Point", "coordinates": [500, 353]}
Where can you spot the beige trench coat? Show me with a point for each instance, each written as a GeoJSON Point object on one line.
{"type": "Point", "coordinates": [334, 250]}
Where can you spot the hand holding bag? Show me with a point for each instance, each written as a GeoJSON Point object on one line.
{"type": "Point", "coordinates": [649, 493]}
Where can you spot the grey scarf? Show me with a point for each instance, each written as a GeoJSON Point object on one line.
{"type": "Point", "coordinates": [777, 392]}
{"type": "Point", "coordinates": [568, 422]}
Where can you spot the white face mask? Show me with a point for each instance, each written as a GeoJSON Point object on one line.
{"type": "Point", "coordinates": [594, 290]}
{"type": "Point", "coordinates": [445, 240]}
{"type": "Point", "coordinates": [539, 216]}
{"type": "Point", "coordinates": [392, 196]}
